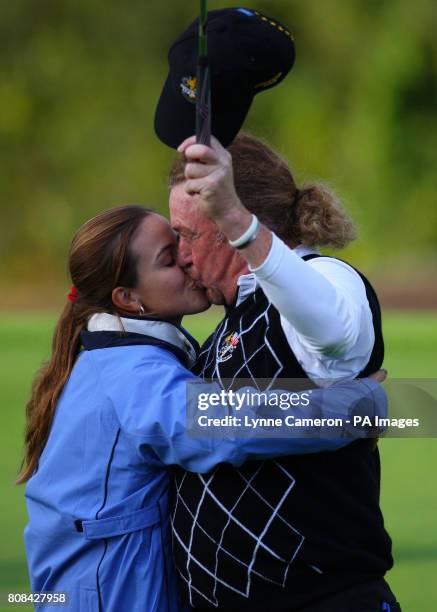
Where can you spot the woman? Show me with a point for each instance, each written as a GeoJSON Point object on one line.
{"type": "Point", "coordinates": [107, 415]}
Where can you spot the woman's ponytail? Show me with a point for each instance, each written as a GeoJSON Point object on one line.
{"type": "Point", "coordinates": [47, 387]}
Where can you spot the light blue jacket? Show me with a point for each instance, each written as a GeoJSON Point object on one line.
{"type": "Point", "coordinates": [98, 503]}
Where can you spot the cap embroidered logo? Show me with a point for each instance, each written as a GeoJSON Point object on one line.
{"type": "Point", "coordinates": [189, 88]}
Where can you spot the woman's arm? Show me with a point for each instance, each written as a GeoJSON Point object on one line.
{"type": "Point", "coordinates": [151, 406]}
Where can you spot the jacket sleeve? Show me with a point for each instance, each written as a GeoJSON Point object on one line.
{"type": "Point", "coordinates": [152, 410]}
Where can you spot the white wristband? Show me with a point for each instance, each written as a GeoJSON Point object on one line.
{"type": "Point", "coordinates": [249, 235]}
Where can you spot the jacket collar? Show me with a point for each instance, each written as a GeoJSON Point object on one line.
{"type": "Point", "coordinates": [139, 330]}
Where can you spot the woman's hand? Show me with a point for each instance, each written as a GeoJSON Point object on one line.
{"type": "Point", "coordinates": [379, 376]}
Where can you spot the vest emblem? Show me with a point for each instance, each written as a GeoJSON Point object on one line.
{"type": "Point", "coordinates": [228, 346]}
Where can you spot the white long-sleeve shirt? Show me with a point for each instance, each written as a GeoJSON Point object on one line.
{"type": "Point", "coordinates": [324, 310]}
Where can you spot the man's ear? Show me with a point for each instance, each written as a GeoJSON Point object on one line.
{"type": "Point", "coordinates": [126, 299]}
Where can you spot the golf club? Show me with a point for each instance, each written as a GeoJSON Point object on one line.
{"type": "Point", "coordinates": [203, 102]}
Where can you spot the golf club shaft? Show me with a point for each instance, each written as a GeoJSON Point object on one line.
{"type": "Point", "coordinates": [203, 102]}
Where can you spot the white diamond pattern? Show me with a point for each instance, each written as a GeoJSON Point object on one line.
{"type": "Point", "coordinates": [210, 494]}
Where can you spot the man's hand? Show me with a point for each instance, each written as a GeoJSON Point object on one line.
{"type": "Point", "coordinates": [208, 172]}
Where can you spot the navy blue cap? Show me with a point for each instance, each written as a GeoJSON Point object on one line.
{"type": "Point", "coordinates": [247, 52]}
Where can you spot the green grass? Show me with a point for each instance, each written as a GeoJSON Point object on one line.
{"type": "Point", "coordinates": [409, 493]}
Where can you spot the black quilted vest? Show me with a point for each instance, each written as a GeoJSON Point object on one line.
{"type": "Point", "coordinates": [277, 534]}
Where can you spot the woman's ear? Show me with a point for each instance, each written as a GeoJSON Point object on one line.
{"type": "Point", "coordinates": [126, 299]}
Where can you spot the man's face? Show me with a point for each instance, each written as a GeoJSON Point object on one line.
{"type": "Point", "coordinates": [201, 252]}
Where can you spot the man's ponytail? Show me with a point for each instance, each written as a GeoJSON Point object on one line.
{"type": "Point", "coordinates": [310, 215]}
{"type": "Point", "coordinates": [320, 219]}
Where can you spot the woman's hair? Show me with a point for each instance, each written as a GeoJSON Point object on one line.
{"type": "Point", "coordinates": [100, 259]}
{"type": "Point", "coordinates": [310, 215]}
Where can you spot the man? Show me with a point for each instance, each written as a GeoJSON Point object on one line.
{"type": "Point", "coordinates": [304, 532]}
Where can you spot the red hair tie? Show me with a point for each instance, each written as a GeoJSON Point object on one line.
{"type": "Point", "coordinates": [73, 295]}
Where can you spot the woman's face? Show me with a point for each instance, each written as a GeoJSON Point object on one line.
{"type": "Point", "coordinates": [163, 287]}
